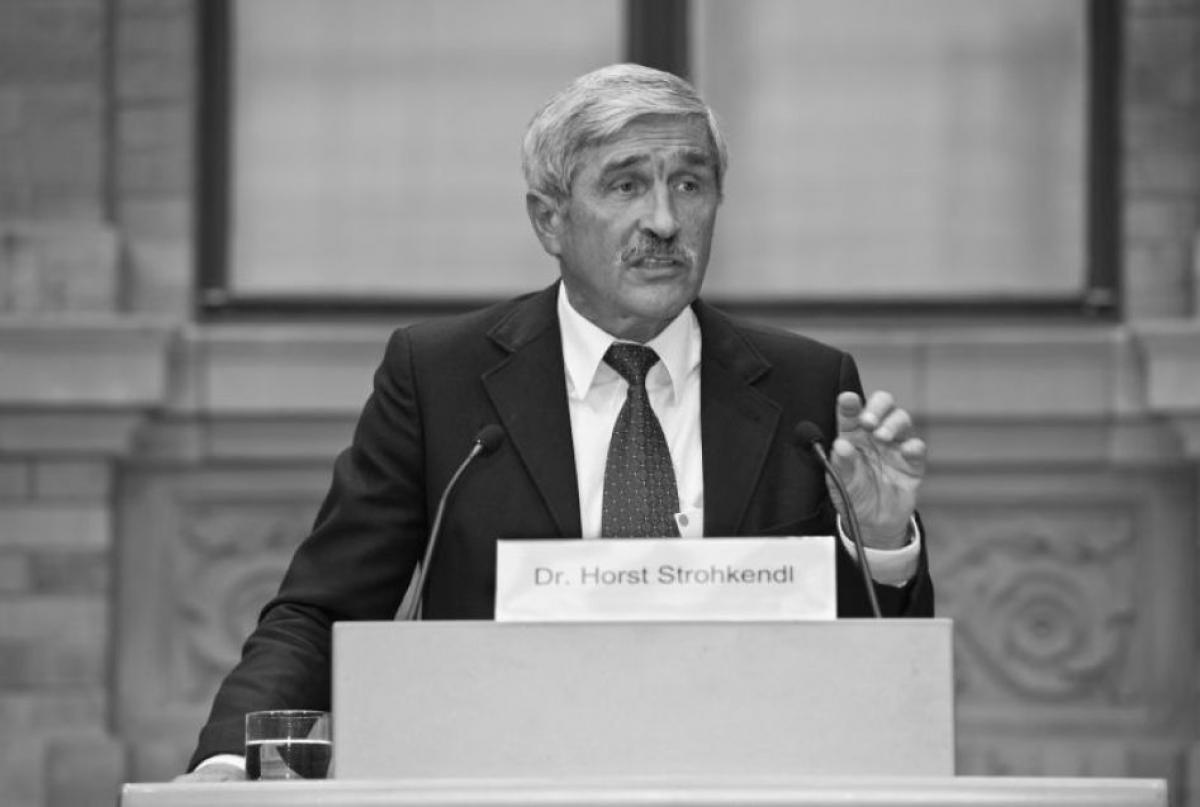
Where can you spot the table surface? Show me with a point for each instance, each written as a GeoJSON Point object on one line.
{"type": "Point", "coordinates": [963, 791]}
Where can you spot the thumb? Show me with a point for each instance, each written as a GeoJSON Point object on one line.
{"type": "Point", "coordinates": [844, 458]}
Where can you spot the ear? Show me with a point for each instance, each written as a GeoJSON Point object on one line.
{"type": "Point", "coordinates": [546, 217]}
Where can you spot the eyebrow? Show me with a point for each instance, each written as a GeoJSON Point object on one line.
{"type": "Point", "coordinates": [699, 157]}
{"type": "Point", "coordinates": [622, 164]}
{"type": "Point", "coordinates": [692, 157]}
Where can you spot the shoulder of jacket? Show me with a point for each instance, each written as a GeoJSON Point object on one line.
{"type": "Point", "coordinates": [777, 344]}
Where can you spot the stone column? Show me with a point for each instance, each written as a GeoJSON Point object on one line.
{"type": "Point", "coordinates": [72, 395]}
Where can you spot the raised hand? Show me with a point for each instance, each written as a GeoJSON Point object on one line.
{"type": "Point", "coordinates": [881, 462]}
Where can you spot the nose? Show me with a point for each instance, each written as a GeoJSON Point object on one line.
{"type": "Point", "coordinates": [659, 217]}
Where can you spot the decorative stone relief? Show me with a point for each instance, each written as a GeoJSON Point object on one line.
{"type": "Point", "coordinates": [233, 557]}
{"type": "Point", "coordinates": [1043, 603]}
{"type": "Point", "coordinates": [243, 527]}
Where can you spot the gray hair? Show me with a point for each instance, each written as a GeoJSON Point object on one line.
{"type": "Point", "coordinates": [595, 107]}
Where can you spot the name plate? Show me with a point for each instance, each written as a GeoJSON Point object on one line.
{"type": "Point", "coordinates": [666, 579]}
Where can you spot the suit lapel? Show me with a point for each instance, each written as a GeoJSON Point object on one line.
{"type": "Point", "coordinates": [737, 422]}
{"type": "Point", "coordinates": [528, 390]}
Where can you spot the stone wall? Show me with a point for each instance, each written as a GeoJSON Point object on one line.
{"type": "Point", "coordinates": [155, 472]}
{"type": "Point", "coordinates": [1160, 117]}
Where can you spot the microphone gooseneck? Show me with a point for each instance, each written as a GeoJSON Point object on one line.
{"type": "Point", "coordinates": [808, 435]}
{"type": "Point", "coordinates": [487, 440]}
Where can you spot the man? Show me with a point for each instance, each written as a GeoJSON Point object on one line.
{"type": "Point", "coordinates": [624, 171]}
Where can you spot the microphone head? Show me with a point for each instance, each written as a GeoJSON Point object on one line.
{"type": "Point", "coordinates": [489, 438]}
{"type": "Point", "coordinates": [807, 434]}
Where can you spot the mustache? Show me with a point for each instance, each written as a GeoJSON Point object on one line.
{"type": "Point", "coordinates": [647, 246]}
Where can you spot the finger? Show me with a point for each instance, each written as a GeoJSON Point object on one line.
{"type": "Point", "coordinates": [849, 406]}
{"type": "Point", "coordinates": [896, 427]}
{"type": "Point", "coordinates": [878, 407]}
{"type": "Point", "coordinates": [915, 453]}
{"type": "Point", "coordinates": [206, 777]}
{"type": "Point", "coordinates": [843, 457]}
{"type": "Point", "coordinates": [213, 772]}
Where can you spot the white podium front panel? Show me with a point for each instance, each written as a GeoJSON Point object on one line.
{"type": "Point", "coordinates": [492, 700]}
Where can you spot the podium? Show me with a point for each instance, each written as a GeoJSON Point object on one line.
{"type": "Point", "coordinates": [463, 700]}
{"type": "Point", "coordinates": [829, 714]}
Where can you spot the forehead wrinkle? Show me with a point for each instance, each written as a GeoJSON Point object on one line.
{"type": "Point", "coordinates": [686, 154]}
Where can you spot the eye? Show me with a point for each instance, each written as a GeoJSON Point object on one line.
{"type": "Point", "coordinates": [625, 187]}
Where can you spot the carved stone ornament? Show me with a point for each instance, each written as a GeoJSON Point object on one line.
{"type": "Point", "coordinates": [220, 608]}
{"type": "Point", "coordinates": [224, 527]}
{"type": "Point", "coordinates": [235, 554]}
{"type": "Point", "coordinates": [1043, 604]}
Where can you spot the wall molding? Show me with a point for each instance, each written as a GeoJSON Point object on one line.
{"type": "Point", "coordinates": [994, 395]}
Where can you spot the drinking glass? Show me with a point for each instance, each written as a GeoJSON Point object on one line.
{"type": "Point", "coordinates": [288, 744]}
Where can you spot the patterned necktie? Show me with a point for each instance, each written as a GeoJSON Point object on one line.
{"type": "Point", "coordinates": [640, 497]}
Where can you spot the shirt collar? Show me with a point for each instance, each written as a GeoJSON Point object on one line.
{"type": "Point", "coordinates": [584, 346]}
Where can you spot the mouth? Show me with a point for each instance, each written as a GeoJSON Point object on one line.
{"type": "Point", "coordinates": [651, 262]}
{"type": "Point", "coordinates": [661, 263]}
{"type": "Point", "coordinates": [657, 259]}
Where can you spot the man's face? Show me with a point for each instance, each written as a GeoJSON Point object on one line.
{"type": "Point", "coordinates": [633, 238]}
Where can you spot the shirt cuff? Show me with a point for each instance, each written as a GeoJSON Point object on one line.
{"type": "Point", "coordinates": [231, 759]}
{"type": "Point", "coordinates": [891, 567]}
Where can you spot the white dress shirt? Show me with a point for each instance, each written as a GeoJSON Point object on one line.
{"type": "Point", "coordinates": [596, 392]}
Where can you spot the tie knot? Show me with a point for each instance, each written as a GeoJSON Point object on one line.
{"type": "Point", "coordinates": [631, 361]}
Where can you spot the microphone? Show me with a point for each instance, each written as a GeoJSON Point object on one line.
{"type": "Point", "coordinates": [808, 435]}
{"type": "Point", "coordinates": [487, 441]}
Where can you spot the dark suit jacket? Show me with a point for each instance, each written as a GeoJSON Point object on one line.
{"type": "Point", "coordinates": [439, 383]}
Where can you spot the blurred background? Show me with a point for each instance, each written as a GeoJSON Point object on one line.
{"type": "Point", "coordinates": [212, 212]}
